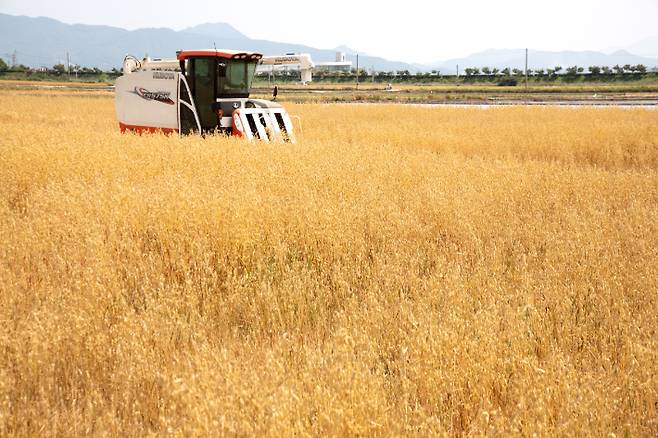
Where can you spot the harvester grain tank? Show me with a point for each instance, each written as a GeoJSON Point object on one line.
{"type": "Point", "coordinates": [201, 91]}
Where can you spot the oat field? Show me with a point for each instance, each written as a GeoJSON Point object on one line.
{"type": "Point", "coordinates": [398, 271]}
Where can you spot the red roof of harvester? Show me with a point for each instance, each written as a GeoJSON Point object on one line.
{"type": "Point", "coordinates": [219, 53]}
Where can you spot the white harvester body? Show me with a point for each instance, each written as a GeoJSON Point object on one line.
{"type": "Point", "coordinates": [149, 99]}
{"type": "Point", "coordinates": [202, 91]}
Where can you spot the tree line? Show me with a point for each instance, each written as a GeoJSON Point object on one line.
{"type": "Point", "coordinates": [57, 70]}
{"type": "Point", "coordinates": [575, 70]}
{"type": "Point", "coordinates": [470, 73]}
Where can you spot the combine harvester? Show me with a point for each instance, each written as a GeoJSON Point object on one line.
{"type": "Point", "coordinates": [201, 91]}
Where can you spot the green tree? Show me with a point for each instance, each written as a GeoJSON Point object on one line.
{"type": "Point", "coordinates": [619, 70]}
{"type": "Point", "coordinates": [486, 70]}
{"type": "Point", "coordinates": [594, 70]}
{"type": "Point", "coordinates": [506, 71]}
{"type": "Point", "coordinates": [517, 72]}
{"type": "Point", "coordinates": [495, 71]}
{"type": "Point", "coordinates": [572, 71]}
{"type": "Point", "coordinates": [642, 69]}
{"type": "Point", "coordinates": [59, 68]}
{"type": "Point", "coordinates": [3, 65]}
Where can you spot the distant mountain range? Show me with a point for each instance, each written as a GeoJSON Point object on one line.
{"type": "Point", "coordinates": [647, 47]}
{"type": "Point", "coordinates": [515, 58]}
{"type": "Point", "coordinates": [44, 42]}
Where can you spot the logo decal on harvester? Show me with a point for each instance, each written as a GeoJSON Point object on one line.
{"type": "Point", "coordinates": [160, 96]}
{"type": "Point", "coordinates": [163, 75]}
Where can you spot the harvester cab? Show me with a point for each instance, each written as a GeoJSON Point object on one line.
{"type": "Point", "coordinates": [199, 92]}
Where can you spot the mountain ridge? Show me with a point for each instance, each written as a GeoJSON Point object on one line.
{"type": "Point", "coordinates": [646, 47]}
{"type": "Point", "coordinates": [43, 42]}
{"type": "Point", "coordinates": [223, 30]}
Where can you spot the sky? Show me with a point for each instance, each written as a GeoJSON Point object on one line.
{"type": "Point", "coordinates": [411, 31]}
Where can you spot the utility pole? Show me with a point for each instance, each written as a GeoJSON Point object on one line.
{"type": "Point", "coordinates": [357, 71]}
{"type": "Point", "coordinates": [457, 71]}
{"type": "Point", "coordinates": [68, 64]}
{"type": "Point", "coordinates": [13, 59]}
{"type": "Point", "coordinates": [526, 69]}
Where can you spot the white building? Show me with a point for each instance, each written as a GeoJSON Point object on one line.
{"type": "Point", "coordinates": [340, 64]}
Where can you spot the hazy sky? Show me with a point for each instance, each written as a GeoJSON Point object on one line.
{"type": "Point", "coordinates": [420, 31]}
